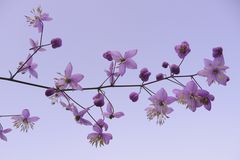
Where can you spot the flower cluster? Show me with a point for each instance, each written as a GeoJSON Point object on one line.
{"type": "Point", "coordinates": [191, 94]}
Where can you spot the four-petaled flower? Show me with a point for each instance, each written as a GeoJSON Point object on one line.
{"type": "Point", "coordinates": [35, 46]}
{"type": "Point", "coordinates": [4, 131]}
{"type": "Point", "coordinates": [215, 71]}
{"type": "Point", "coordinates": [125, 61]}
{"type": "Point", "coordinates": [69, 79]}
{"type": "Point", "coordinates": [79, 116]}
{"type": "Point", "coordinates": [38, 18]}
{"type": "Point", "coordinates": [111, 114]}
{"type": "Point", "coordinates": [159, 107]}
{"type": "Point", "coordinates": [29, 66]}
{"type": "Point", "coordinates": [98, 138]}
{"type": "Point", "coordinates": [24, 121]}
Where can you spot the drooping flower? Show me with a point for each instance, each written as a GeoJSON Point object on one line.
{"type": "Point", "coordinates": [144, 74]}
{"type": "Point", "coordinates": [205, 98]}
{"type": "Point", "coordinates": [111, 73]}
{"type": "Point", "coordinates": [34, 45]}
{"type": "Point", "coordinates": [98, 138]}
{"type": "Point", "coordinates": [24, 121]}
{"type": "Point", "coordinates": [3, 132]}
{"type": "Point", "coordinates": [111, 114]}
{"type": "Point", "coordinates": [215, 71]}
{"type": "Point", "coordinates": [29, 66]}
{"type": "Point", "coordinates": [79, 116]}
{"type": "Point", "coordinates": [183, 49]}
{"type": "Point", "coordinates": [69, 79]}
{"type": "Point", "coordinates": [98, 100]}
{"type": "Point", "coordinates": [159, 107]}
{"type": "Point", "coordinates": [125, 61]}
{"type": "Point", "coordinates": [56, 42]}
{"type": "Point", "coordinates": [188, 96]}
{"type": "Point", "coordinates": [38, 18]}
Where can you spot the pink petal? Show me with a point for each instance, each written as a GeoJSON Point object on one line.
{"type": "Point", "coordinates": [3, 137]}
{"type": "Point", "coordinates": [81, 113]}
{"type": "Point", "coordinates": [170, 100]}
{"type": "Point", "coordinates": [122, 69]}
{"type": "Point", "coordinates": [130, 54]}
{"type": "Point", "coordinates": [33, 119]}
{"type": "Point", "coordinates": [106, 137]}
{"type": "Point", "coordinates": [25, 113]}
{"type": "Point", "coordinates": [85, 122]}
{"type": "Point", "coordinates": [116, 55]}
{"type": "Point", "coordinates": [109, 108]}
{"type": "Point", "coordinates": [33, 73]}
{"type": "Point", "coordinates": [77, 77]}
{"type": "Point", "coordinates": [97, 129]}
{"type": "Point", "coordinates": [7, 130]}
{"type": "Point", "coordinates": [68, 70]}
{"type": "Point", "coordinates": [131, 64]}
{"type": "Point", "coordinates": [162, 94]}
{"type": "Point", "coordinates": [118, 114]}
{"type": "Point", "coordinates": [92, 135]}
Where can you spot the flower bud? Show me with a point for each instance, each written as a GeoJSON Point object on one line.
{"type": "Point", "coordinates": [174, 69]}
{"type": "Point", "coordinates": [159, 77]}
{"type": "Point", "coordinates": [183, 49]}
{"type": "Point", "coordinates": [56, 42]}
{"type": "Point", "coordinates": [107, 55]}
{"type": "Point", "coordinates": [217, 52]}
{"type": "Point", "coordinates": [165, 64]}
{"type": "Point", "coordinates": [49, 92]}
{"type": "Point", "coordinates": [144, 74]}
{"type": "Point", "coordinates": [133, 96]}
{"type": "Point", "coordinates": [98, 100]}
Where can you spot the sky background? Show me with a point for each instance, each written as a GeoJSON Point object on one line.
{"type": "Point", "coordinates": [88, 29]}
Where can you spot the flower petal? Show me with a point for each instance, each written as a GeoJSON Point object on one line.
{"type": "Point", "coordinates": [25, 113]}
{"type": "Point", "coordinates": [116, 55]}
{"type": "Point", "coordinates": [118, 114]}
{"type": "Point", "coordinates": [131, 64]}
{"type": "Point", "coordinates": [130, 53]}
{"type": "Point", "coordinates": [68, 70]}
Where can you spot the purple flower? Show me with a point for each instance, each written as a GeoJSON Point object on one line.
{"type": "Point", "coordinates": [55, 96]}
{"type": "Point", "coordinates": [215, 71]}
{"type": "Point", "coordinates": [24, 121]}
{"type": "Point", "coordinates": [69, 79]}
{"type": "Point", "coordinates": [68, 106]}
{"type": "Point", "coordinates": [56, 42]}
{"type": "Point", "coordinates": [174, 69]}
{"type": "Point", "coordinates": [144, 74]}
{"type": "Point", "coordinates": [98, 137]}
{"type": "Point", "coordinates": [98, 100]}
{"type": "Point", "coordinates": [133, 96]}
{"type": "Point", "coordinates": [183, 49]}
{"type": "Point", "coordinates": [38, 18]}
{"type": "Point", "coordinates": [4, 131]}
{"type": "Point", "coordinates": [35, 46]}
{"type": "Point", "coordinates": [79, 116]}
{"type": "Point", "coordinates": [110, 73]}
{"type": "Point", "coordinates": [159, 107]}
{"type": "Point", "coordinates": [111, 114]}
{"type": "Point", "coordinates": [30, 67]}
{"type": "Point", "coordinates": [108, 55]}
{"type": "Point", "coordinates": [205, 98]}
{"type": "Point", "coordinates": [125, 61]}
{"type": "Point", "coordinates": [188, 96]}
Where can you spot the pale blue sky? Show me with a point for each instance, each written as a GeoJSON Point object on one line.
{"type": "Point", "coordinates": [88, 29]}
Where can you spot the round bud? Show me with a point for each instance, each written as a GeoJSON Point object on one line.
{"type": "Point", "coordinates": [159, 77]}
{"type": "Point", "coordinates": [165, 64]}
{"type": "Point", "coordinates": [174, 69]}
{"type": "Point", "coordinates": [98, 100]}
{"type": "Point", "coordinates": [217, 52]}
{"type": "Point", "coordinates": [133, 96]}
{"type": "Point", "coordinates": [49, 92]}
{"type": "Point", "coordinates": [144, 74]}
{"type": "Point", "coordinates": [56, 42]}
{"type": "Point", "coordinates": [107, 55]}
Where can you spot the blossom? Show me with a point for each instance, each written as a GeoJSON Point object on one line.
{"type": "Point", "coordinates": [38, 18]}
{"type": "Point", "coordinates": [100, 123]}
{"type": "Point", "coordinates": [159, 107]}
{"type": "Point", "coordinates": [144, 74]}
{"type": "Point", "coordinates": [205, 98]}
{"type": "Point", "coordinates": [69, 79]}
{"type": "Point", "coordinates": [125, 61]}
{"type": "Point", "coordinates": [183, 49]}
{"type": "Point", "coordinates": [111, 114]}
{"type": "Point", "coordinates": [24, 121]}
{"type": "Point", "coordinates": [98, 100]}
{"type": "Point", "coordinates": [215, 71]}
{"type": "Point", "coordinates": [29, 66]}
{"type": "Point", "coordinates": [98, 138]}
{"type": "Point", "coordinates": [35, 46]}
{"type": "Point", "coordinates": [133, 96]}
{"type": "Point", "coordinates": [79, 116]}
{"type": "Point", "coordinates": [4, 131]}
{"type": "Point", "coordinates": [56, 42]}
{"type": "Point", "coordinates": [188, 96]}
{"type": "Point", "coordinates": [111, 73]}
